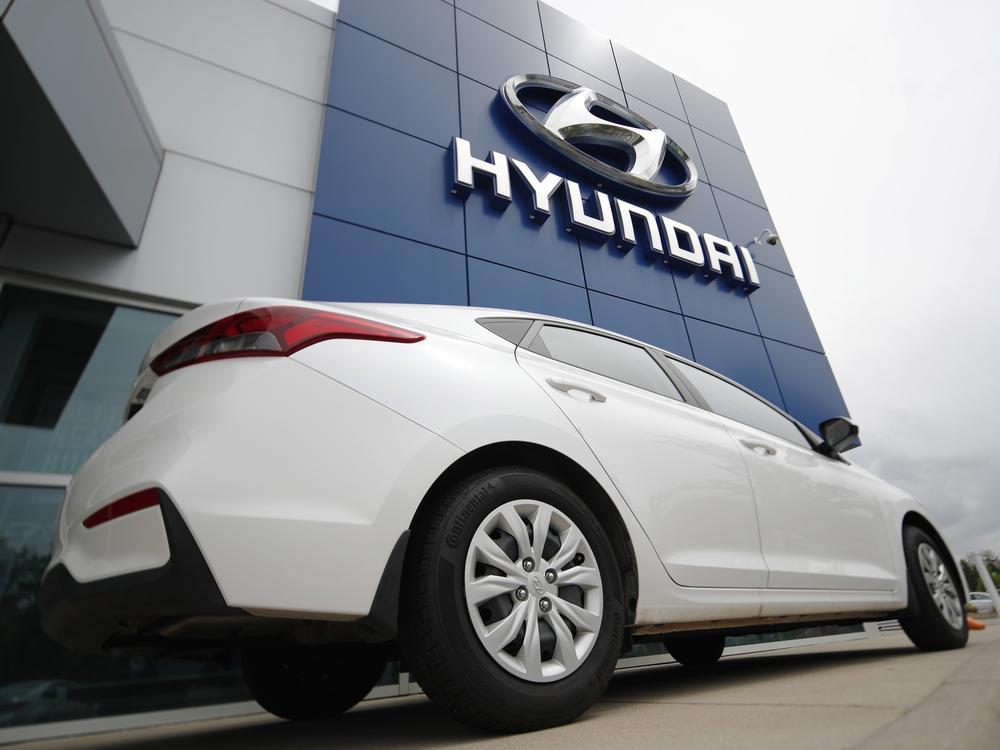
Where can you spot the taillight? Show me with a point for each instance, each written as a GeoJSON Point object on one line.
{"type": "Point", "coordinates": [273, 332]}
{"type": "Point", "coordinates": [122, 507]}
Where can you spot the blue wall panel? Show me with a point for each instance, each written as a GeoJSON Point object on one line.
{"type": "Point", "coordinates": [382, 179]}
{"type": "Point", "coordinates": [634, 275]}
{"type": "Point", "coordinates": [744, 221]}
{"type": "Point", "coordinates": [491, 56]}
{"type": "Point", "coordinates": [491, 285]}
{"type": "Point", "coordinates": [657, 327]}
{"type": "Point", "coordinates": [414, 94]}
{"type": "Point", "coordinates": [517, 17]}
{"type": "Point", "coordinates": [781, 312]}
{"type": "Point", "coordinates": [807, 383]}
{"type": "Point", "coordinates": [387, 227]}
{"type": "Point", "coordinates": [510, 238]}
{"type": "Point", "coordinates": [708, 113]}
{"type": "Point", "coordinates": [737, 355]}
{"type": "Point", "coordinates": [583, 48]}
{"type": "Point", "coordinates": [561, 69]}
{"type": "Point", "coordinates": [713, 299]}
{"type": "Point", "coordinates": [425, 27]}
{"type": "Point", "coordinates": [648, 81]}
{"type": "Point", "coordinates": [350, 263]}
{"type": "Point", "coordinates": [729, 167]}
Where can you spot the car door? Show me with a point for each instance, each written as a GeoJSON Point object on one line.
{"type": "Point", "coordinates": [673, 462]}
{"type": "Point", "coordinates": [820, 527]}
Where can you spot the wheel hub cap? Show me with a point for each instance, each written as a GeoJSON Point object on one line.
{"type": "Point", "coordinates": [534, 624]}
{"type": "Point", "coordinates": [942, 589]}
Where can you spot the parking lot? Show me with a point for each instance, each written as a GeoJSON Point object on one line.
{"type": "Point", "coordinates": [874, 693]}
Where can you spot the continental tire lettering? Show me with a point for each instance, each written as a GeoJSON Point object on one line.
{"type": "Point", "coordinates": [453, 539]}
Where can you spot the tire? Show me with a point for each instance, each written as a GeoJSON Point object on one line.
{"type": "Point", "coordinates": [301, 683]}
{"type": "Point", "coordinates": [513, 687]}
{"type": "Point", "coordinates": [938, 625]}
{"type": "Point", "coordinates": [696, 651]}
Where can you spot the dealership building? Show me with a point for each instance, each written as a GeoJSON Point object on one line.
{"type": "Point", "coordinates": [157, 155]}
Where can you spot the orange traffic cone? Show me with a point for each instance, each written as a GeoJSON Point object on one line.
{"type": "Point", "coordinates": [974, 624]}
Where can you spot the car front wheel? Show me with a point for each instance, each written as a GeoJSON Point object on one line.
{"type": "Point", "coordinates": [512, 611]}
{"type": "Point", "coordinates": [940, 623]}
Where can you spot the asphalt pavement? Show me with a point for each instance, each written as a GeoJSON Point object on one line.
{"type": "Point", "coordinates": [874, 693]}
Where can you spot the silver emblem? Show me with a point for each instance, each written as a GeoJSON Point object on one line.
{"type": "Point", "coordinates": [571, 120]}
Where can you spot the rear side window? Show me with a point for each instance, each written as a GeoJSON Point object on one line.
{"type": "Point", "coordinates": [605, 356]}
{"type": "Point", "coordinates": [512, 329]}
{"type": "Point", "coordinates": [735, 403]}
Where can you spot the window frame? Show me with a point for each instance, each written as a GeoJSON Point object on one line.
{"type": "Point", "coordinates": [813, 441]}
{"type": "Point", "coordinates": [20, 478]}
{"type": "Point", "coordinates": [665, 360]}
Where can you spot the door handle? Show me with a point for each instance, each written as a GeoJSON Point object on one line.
{"type": "Point", "coordinates": [562, 385]}
{"type": "Point", "coordinates": [761, 448]}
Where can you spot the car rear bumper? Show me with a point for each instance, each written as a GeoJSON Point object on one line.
{"type": "Point", "coordinates": [179, 607]}
{"type": "Point", "coordinates": [90, 615]}
{"type": "Point", "coordinates": [285, 495]}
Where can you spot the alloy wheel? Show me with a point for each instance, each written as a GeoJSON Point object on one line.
{"type": "Point", "coordinates": [940, 585]}
{"type": "Point", "coordinates": [533, 590]}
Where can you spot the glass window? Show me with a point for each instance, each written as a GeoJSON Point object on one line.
{"type": "Point", "coordinates": [66, 368]}
{"type": "Point", "coordinates": [737, 404]}
{"type": "Point", "coordinates": [605, 356]}
{"type": "Point", "coordinates": [512, 329]}
{"type": "Point", "coordinates": [46, 341]}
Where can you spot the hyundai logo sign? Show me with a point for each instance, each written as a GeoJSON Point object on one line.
{"type": "Point", "coordinates": [571, 121]}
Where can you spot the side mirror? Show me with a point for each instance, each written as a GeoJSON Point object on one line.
{"type": "Point", "coordinates": [839, 435]}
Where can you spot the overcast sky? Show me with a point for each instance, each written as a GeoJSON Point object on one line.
{"type": "Point", "coordinates": [873, 129]}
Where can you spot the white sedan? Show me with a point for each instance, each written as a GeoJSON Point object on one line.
{"type": "Point", "coordinates": [506, 501]}
{"type": "Point", "coordinates": [981, 603]}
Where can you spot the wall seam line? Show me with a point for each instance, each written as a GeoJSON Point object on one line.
{"type": "Point", "coordinates": [398, 46]}
{"type": "Point", "coordinates": [390, 127]}
{"type": "Point", "coordinates": [753, 312]}
{"type": "Point", "coordinates": [319, 154]}
{"type": "Point", "coordinates": [541, 28]}
{"type": "Point", "coordinates": [231, 168]}
{"type": "Point", "coordinates": [465, 222]}
{"type": "Point", "coordinates": [359, 225]}
{"type": "Point", "coordinates": [498, 28]}
{"type": "Point", "coordinates": [218, 66]}
{"type": "Point", "coordinates": [303, 16]}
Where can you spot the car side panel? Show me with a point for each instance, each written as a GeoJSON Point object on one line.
{"type": "Point", "coordinates": [820, 527]}
{"type": "Point", "coordinates": [476, 395]}
{"type": "Point", "coordinates": [677, 468]}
